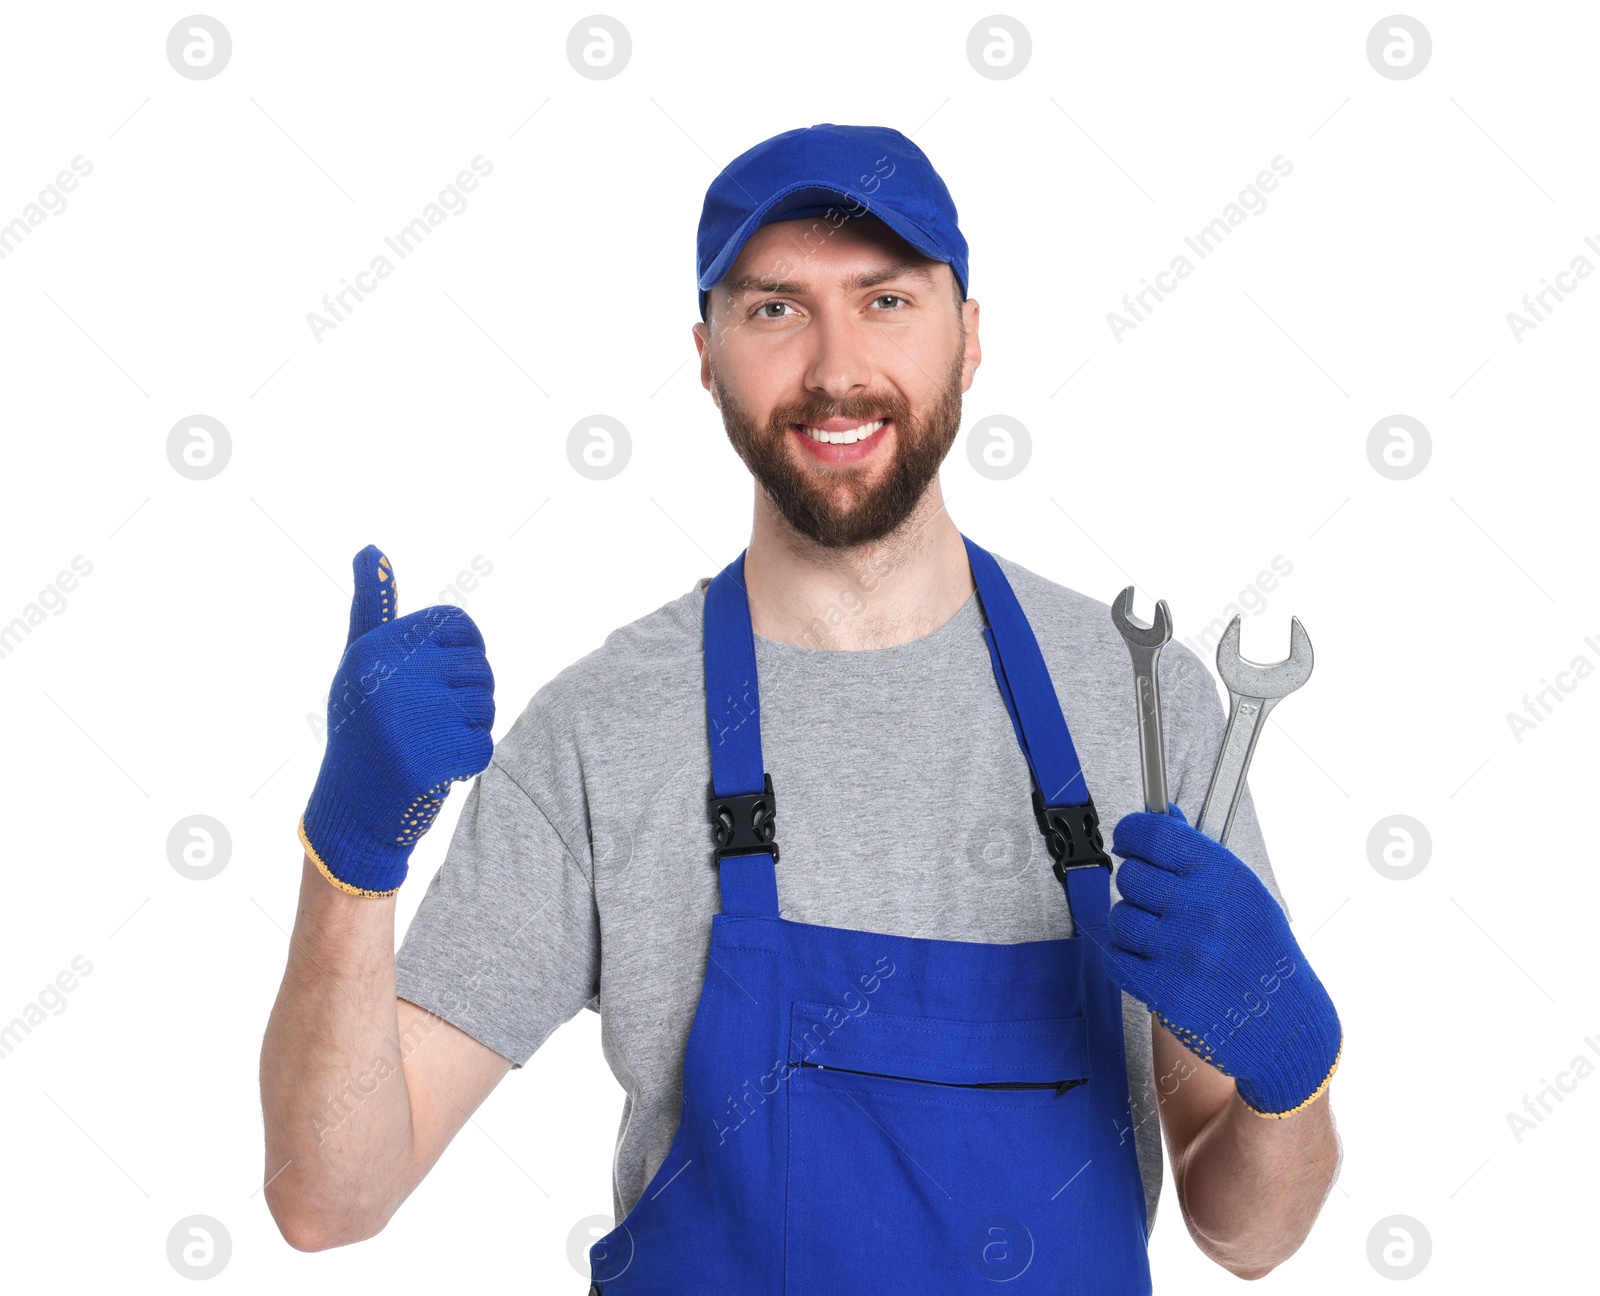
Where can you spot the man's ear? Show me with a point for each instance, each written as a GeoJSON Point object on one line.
{"type": "Point", "coordinates": [702, 343]}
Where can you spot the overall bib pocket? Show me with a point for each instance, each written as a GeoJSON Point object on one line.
{"type": "Point", "coordinates": [925, 1147]}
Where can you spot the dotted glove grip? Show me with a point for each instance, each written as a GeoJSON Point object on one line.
{"type": "Point", "coordinates": [409, 713]}
{"type": "Point", "coordinates": [1199, 938]}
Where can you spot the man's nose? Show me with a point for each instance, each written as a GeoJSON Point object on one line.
{"type": "Point", "coordinates": [841, 364]}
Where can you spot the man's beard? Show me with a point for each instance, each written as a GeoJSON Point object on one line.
{"type": "Point", "coordinates": [841, 510]}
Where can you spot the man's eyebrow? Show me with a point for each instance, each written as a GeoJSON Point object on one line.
{"type": "Point", "coordinates": [866, 279]}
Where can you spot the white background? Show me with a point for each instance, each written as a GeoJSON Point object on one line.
{"type": "Point", "coordinates": [1229, 428]}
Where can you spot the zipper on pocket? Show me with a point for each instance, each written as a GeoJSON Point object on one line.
{"type": "Point", "coordinates": [1060, 1087]}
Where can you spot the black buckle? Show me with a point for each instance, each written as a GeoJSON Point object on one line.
{"type": "Point", "coordinates": [745, 825]}
{"type": "Point", "coordinates": [1072, 834]}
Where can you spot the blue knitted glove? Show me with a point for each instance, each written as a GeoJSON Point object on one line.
{"type": "Point", "coordinates": [409, 714]}
{"type": "Point", "coordinates": [1199, 938]}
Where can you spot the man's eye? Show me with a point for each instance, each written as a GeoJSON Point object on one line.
{"type": "Point", "coordinates": [763, 309]}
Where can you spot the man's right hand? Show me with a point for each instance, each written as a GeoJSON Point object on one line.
{"type": "Point", "coordinates": [409, 713]}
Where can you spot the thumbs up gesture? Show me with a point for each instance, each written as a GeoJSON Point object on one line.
{"type": "Point", "coordinates": [409, 714]}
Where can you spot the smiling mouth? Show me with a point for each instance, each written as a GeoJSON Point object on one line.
{"type": "Point", "coordinates": [848, 437]}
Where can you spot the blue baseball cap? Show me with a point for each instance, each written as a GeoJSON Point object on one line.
{"type": "Point", "coordinates": [838, 172]}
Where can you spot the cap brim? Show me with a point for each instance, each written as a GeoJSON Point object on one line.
{"type": "Point", "coordinates": [814, 199]}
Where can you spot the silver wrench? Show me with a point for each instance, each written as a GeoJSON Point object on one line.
{"type": "Point", "coordinates": [1253, 688]}
{"type": "Point", "coordinates": [1144, 646]}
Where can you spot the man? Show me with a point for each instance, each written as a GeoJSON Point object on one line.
{"type": "Point", "coordinates": [818, 839]}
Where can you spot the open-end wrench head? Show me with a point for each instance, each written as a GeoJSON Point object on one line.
{"type": "Point", "coordinates": [1264, 680]}
{"type": "Point", "coordinates": [1153, 635]}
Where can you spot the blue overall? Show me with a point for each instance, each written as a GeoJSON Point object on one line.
{"type": "Point", "coordinates": [869, 1113]}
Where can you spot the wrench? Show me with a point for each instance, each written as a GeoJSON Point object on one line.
{"type": "Point", "coordinates": [1253, 689]}
{"type": "Point", "coordinates": [1144, 646]}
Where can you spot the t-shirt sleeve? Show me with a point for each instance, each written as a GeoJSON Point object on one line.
{"type": "Point", "coordinates": [1202, 724]}
{"type": "Point", "coordinates": [505, 944]}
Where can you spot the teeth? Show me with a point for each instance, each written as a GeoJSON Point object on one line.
{"type": "Point", "coordinates": [848, 437]}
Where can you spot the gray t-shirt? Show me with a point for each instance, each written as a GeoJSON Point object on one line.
{"type": "Point", "coordinates": [580, 874]}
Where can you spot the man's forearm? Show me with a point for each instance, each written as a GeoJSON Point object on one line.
{"type": "Point", "coordinates": [1250, 1187]}
{"type": "Point", "coordinates": [333, 1092]}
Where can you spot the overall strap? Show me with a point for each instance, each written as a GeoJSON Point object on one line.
{"type": "Point", "coordinates": [1035, 710]}
{"type": "Point", "coordinates": [733, 723]}
{"type": "Point", "coordinates": [741, 791]}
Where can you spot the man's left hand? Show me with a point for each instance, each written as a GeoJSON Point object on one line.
{"type": "Point", "coordinates": [1199, 938]}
